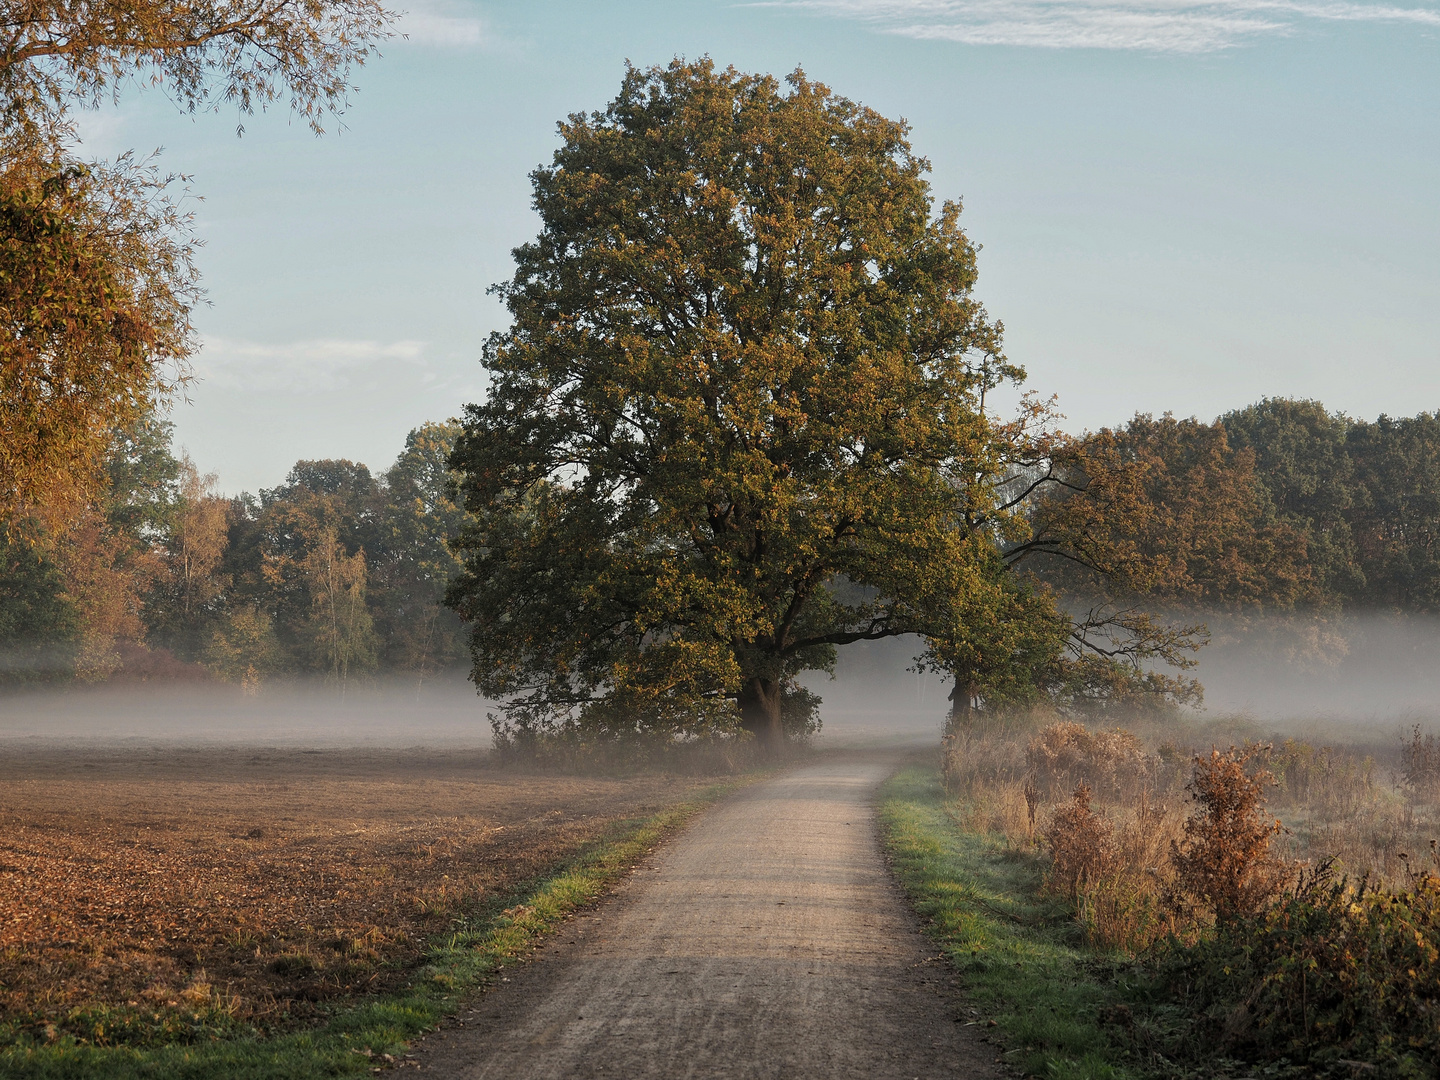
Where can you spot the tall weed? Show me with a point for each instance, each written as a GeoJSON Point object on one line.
{"type": "Point", "coordinates": [1225, 871]}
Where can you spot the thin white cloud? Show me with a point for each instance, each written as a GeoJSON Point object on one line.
{"type": "Point", "coordinates": [445, 23]}
{"type": "Point", "coordinates": [1183, 26]}
{"type": "Point", "coordinates": [299, 366]}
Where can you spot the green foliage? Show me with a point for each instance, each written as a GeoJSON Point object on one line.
{"type": "Point", "coordinates": [737, 419]}
{"type": "Point", "coordinates": [1308, 478]}
{"type": "Point", "coordinates": [1365, 495]}
{"type": "Point", "coordinates": [141, 478]}
{"type": "Point", "coordinates": [299, 557]}
{"type": "Point", "coordinates": [243, 647]}
{"type": "Point", "coordinates": [1004, 643]}
{"type": "Point", "coordinates": [410, 559]}
{"type": "Point", "coordinates": [37, 621]}
{"type": "Point", "coordinates": [1331, 973]}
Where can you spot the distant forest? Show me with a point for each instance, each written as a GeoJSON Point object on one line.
{"type": "Point", "coordinates": [335, 572]}
{"type": "Point", "coordinates": [1281, 506]}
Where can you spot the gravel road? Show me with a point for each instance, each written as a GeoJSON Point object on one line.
{"type": "Point", "coordinates": [767, 941]}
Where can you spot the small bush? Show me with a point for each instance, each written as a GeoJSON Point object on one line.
{"type": "Point", "coordinates": [1082, 847]}
{"type": "Point", "coordinates": [1225, 861]}
{"type": "Point", "coordinates": [1420, 762]}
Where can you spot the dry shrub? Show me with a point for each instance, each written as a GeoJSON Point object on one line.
{"type": "Point", "coordinates": [1326, 783]}
{"type": "Point", "coordinates": [983, 769]}
{"type": "Point", "coordinates": [1082, 846]}
{"type": "Point", "coordinates": [1116, 873]}
{"type": "Point", "coordinates": [1140, 860]}
{"type": "Point", "coordinates": [1225, 861]}
{"type": "Point", "coordinates": [1065, 755]}
{"type": "Point", "coordinates": [1130, 909]}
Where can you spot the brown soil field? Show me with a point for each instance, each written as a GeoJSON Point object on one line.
{"type": "Point", "coordinates": [262, 882]}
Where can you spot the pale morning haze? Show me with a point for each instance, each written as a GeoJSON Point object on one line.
{"type": "Point", "coordinates": [1183, 206]}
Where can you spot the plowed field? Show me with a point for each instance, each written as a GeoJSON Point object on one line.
{"type": "Point", "coordinates": [143, 891]}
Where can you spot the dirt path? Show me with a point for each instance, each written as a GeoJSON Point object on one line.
{"type": "Point", "coordinates": [766, 941]}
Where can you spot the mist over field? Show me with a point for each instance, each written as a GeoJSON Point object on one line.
{"type": "Point", "coordinates": [1362, 676]}
{"type": "Point", "coordinates": [1359, 678]}
{"type": "Point", "coordinates": [872, 697]}
{"type": "Point", "coordinates": [439, 712]}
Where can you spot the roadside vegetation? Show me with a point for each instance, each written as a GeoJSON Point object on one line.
{"type": "Point", "coordinates": [1151, 904]}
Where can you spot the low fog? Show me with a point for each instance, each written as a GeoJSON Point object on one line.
{"type": "Point", "coordinates": [1362, 676]}
{"type": "Point", "coordinates": [871, 698]}
{"type": "Point", "coordinates": [1360, 679]}
{"type": "Point", "coordinates": [440, 712]}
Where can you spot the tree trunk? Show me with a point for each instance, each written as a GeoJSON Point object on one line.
{"type": "Point", "coordinates": [759, 703]}
{"type": "Point", "coordinates": [962, 702]}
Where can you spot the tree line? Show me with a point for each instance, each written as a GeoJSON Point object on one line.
{"type": "Point", "coordinates": [1279, 507]}
{"type": "Point", "coordinates": [335, 573]}
{"type": "Point", "coordinates": [1282, 505]}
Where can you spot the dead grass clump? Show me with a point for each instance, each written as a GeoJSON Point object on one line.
{"type": "Point", "coordinates": [1174, 847]}
{"type": "Point", "coordinates": [1115, 868]}
{"type": "Point", "coordinates": [1225, 860]}
{"type": "Point", "coordinates": [1064, 755]}
{"type": "Point", "coordinates": [983, 769]}
{"type": "Point", "coordinates": [1141, 871]}
{"type": "Point", "coordinates": [1325, 783]}
{"type": "Point", "coordinates": [1420, 763]}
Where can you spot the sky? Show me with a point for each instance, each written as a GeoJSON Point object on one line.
{"type": "Point", "coordinates": [1182, 206]}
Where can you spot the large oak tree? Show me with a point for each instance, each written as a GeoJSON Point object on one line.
{"type": "Point", "coordinates": [737, 420]}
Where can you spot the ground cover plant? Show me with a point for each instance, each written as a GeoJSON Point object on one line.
{"type": "Point", "coordinates": [1211, 909]}
{"type": "Point", "coordinates": [236, 912]}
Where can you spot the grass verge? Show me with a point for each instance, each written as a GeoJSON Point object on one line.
{"type": "Point", "coordinates": [1025, 964]}
{"type": "Point", "coordinates": [357, 1037]}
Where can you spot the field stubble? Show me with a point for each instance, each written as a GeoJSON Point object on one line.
{"type": "Point", "coordinates": [149, 896]}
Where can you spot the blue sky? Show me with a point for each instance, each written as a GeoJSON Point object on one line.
{"type": "Point", "coordinates": [1182, 206]}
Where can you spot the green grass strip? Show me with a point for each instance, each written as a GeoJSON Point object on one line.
{"type": "Point", "coordinates": [355, 1033]}
{"type": "Point", "coordinates": [1022, 958]}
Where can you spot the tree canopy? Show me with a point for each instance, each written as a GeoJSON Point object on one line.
{"type": "Point", "coordinates": [334, 573]}
{"type": "Point", "coordinates": [97, 273]}
{"type": "Point", "coordinates": [247, 54]}
{"type": "Point", "coordinates": [738, 418]}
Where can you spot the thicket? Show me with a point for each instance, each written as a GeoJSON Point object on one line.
{"type": "Point", "coordinates": [1328, 973]}
{"type": "Point", "coordinates": [1310, 939]}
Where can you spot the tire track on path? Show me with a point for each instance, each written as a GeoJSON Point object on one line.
{"type": "Point", "coordinates": [766, 941]}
